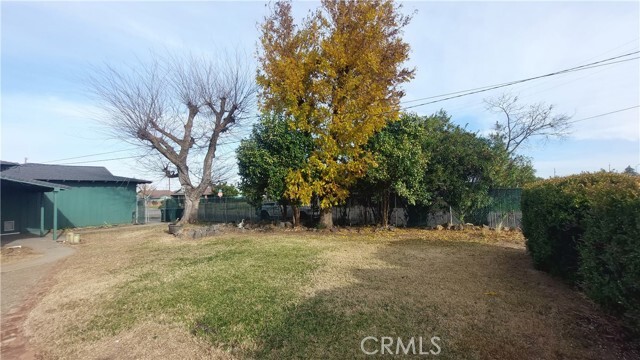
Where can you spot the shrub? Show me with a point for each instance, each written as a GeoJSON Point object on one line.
{"type": "Point", "coordinates": [586, 229]}
{"type": "Point", "coordinates": [610, 250]}
{"type": "Point", "coordinates": [552, 213]}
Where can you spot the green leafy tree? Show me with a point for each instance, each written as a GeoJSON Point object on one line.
{"type": "Point", "coordinates": [460, 166]}
{"type": "Point", "coordinates": [510, 170]}
{"type": "Point", "coordinates": [264, 160]}
{"type": "Point", "coordinates": [401, 158]}
{"type": "Point", "coordinates": [431, 162]}
{"type": "Point", "coordinates": [227, 189]}
{"type": "Point", "coordinates": [336, 76]}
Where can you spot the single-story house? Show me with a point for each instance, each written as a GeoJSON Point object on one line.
{"type": "Point", "coordinates": [22, 204]}
{"type": "Point", "coordinates": [156, 197]}
{"type": "Point", "coordinates": [92, 196]}
{"type": "Point", "coordinates": [208, 192]}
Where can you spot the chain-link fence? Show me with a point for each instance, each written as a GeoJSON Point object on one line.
{"type": "Point", "coordinates": [502, 210]}
{"type": "Point", "coordinates": [140, 216]}
{"type": "Point", "coordinates": [146, 212]}
{"type": "Point", "coordinates": [226, 209]}
{"type": "Point", "coordinates": [212, 209]}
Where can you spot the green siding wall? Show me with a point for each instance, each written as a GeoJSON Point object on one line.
{"type": "Point", "coordinates": [92, 204]}
{"type": "Point", "coordinates": [23, 207]}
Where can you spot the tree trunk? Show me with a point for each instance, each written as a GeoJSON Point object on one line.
{"type": "Point", "coordinates": [284, 212]}
{"type": "Point", "coordinates": [326, 218]}
{"type": "Point", "coordinates": [296, 215]}
{"type": "Point", "coordinates": [384, 217]}
{"type": "Point", "coordinates": [367, 206]}
{"type": "Point", "coordinates": [191, 204]}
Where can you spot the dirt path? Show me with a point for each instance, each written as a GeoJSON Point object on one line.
{"type": "Point", "coordinates": [23, 284]}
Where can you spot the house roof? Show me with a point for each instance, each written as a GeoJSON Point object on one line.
{"type": "Point", "coordinates": [207, 192]}
{"type": "Point", "coordinates": [46, 172]}
{"type": "Point", "coordinates": [160, 193]}
{"type": "Point", "coordinates": [31, 184]}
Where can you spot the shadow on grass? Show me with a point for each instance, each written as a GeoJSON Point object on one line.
{"type": "Point", "coordinates": [483, 302]}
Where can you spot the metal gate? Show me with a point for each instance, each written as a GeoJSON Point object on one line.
{"type": "Point", "coordinates": [146, 213]}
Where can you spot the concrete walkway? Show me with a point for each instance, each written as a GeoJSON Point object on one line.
{"type": "Point", "coordinates": [20, 278]}
{"type": "Point", "coordinates": [23, 283]}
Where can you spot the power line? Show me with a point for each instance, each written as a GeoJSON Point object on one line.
{"type": "Point", "coordinates": [113, 152]}
{"type": "Point", "coordinates": [598, 56]}
{"type": "Point", "coordinates": [600, 115]}
{"type": "Point", "coordinates": [507, 84]}
{"type": "Point", "coordinates": [599, 63]}
{"type": "Point", "coordinates": [89, 155]}
{"type": "Point", "coordinates": [462, 93]}
{"type": "Point", "coordinates": [101, 160]}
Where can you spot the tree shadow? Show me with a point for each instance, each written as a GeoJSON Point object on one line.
{"type": "Point", "coordinates": [482, 301]}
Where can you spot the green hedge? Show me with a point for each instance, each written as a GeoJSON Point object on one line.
{"type": "Point", "coordinates": [552, 216]}
{"type": "Point", "coordinates": [610, 251]}
{"type": "Point", "coordinates": [586, 229]}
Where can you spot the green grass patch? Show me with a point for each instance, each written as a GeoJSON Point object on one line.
{"type": "Point", "coordinates": [227, 291]}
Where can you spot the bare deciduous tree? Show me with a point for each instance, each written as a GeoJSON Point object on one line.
{"type": "Point", "coordinates": [180, 107]}
{"type": "Point", "coordinates": [523, 122]}
{"type": "Point", "coordinates": [145, 190]}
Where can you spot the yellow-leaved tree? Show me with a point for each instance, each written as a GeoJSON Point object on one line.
{"type": "Point", "coordinates": [336, 76]}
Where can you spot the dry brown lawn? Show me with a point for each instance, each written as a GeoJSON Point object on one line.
{"type": "Point", "coordinates": [139, 293]}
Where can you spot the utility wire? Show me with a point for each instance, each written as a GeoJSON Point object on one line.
{"type": "Point", "coordinates": [113, 152]}
{"type": "Point", "coordinates": [456, 94]}
{"type": "Point", "coordinates": [462, 93]}
{"type": "Point", "coordinates": [509, 83]}
{"type": "Point", "coordinates": [90, 155]}
{"type": "Point", "coordinates": [600, 115]}
{"type": "Point", "coordinates": [102, 160]}
{"type": "Point", "coordinates": [469, 105]}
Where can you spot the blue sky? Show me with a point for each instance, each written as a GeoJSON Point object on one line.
{"type": "Point", "coordinates": [48, 49]}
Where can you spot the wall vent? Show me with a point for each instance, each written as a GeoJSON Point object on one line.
{"type": "Point", "coordinates": [9, 226]}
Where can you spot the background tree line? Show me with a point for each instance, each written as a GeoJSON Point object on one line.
{"type": "Point", "coordinates": [426, 160]}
